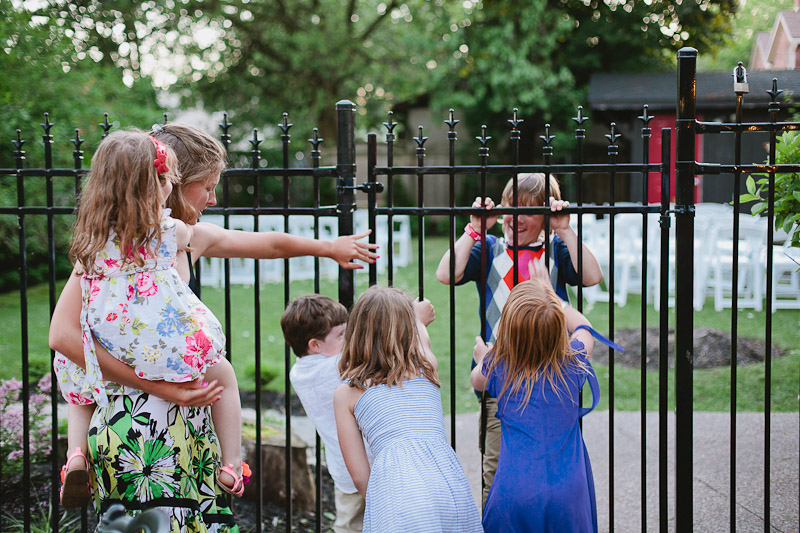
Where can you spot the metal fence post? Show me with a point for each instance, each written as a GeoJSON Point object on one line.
{"type": "Point", "coordinates": [684, 272]}
{"type": "Point", "coordinates": [346, 169]}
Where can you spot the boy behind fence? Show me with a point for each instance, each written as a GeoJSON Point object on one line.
{"type": "Point", "coordinates": [500, 265]}
{"type": "Point", "coordinates": [313, 325]}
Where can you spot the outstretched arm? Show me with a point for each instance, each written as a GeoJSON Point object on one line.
{"type": "Point", "coordinates": [65, 337]}
{"type": "Point", "coordinates": [559, 223]}
{"type": "Point", "coordinates": [463, 246]}
{"type": "Point", "coordinates": [351, 441]}
{"type": "Point", "coordinates": [213, 241]}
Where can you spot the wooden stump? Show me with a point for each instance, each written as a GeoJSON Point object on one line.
{"type": "Point", "coordinates": [273, 471]}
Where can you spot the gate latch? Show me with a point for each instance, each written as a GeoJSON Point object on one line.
{"type": "Point", "coordinates": [367, 186]}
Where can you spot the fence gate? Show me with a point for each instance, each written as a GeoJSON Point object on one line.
{"type": "Point", "coordinates": [655, 220]}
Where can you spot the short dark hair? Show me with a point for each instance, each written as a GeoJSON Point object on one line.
{"type": "Point", "coordinates": [308, 317]}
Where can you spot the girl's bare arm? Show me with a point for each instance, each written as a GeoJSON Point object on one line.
{"type": "Point", "coordinates": [213, 241]}
{"type": "Point", "coordinates": [351, 441]}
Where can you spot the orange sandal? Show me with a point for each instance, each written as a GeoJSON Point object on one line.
{"type": "Point", "coordinates": [239, 481]}
{"type": "Point", "coordinates": [75, 483]}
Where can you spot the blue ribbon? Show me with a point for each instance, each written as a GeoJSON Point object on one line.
{"type": "Point", "coordinates": [605, 340]}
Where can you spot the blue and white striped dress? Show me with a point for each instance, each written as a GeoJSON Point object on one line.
{"type": "Point", "coordinates": [416, 482]}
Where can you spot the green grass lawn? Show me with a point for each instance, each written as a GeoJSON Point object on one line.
{"type": "Point", "coordinates": [711, 387]}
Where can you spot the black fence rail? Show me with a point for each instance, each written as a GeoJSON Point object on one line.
{"type": "Point", "coordinates": [380, 188]}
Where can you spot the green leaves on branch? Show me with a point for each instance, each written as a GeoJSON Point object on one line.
{"type": "Point", "coordinates": [787, 188]}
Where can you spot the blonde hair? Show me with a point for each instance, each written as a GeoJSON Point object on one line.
{"type": "Point", "coordinates": [382, 345]}
{"type": "Point", "coordinates": [122, 193]}
{"type": "Point", "coordinates": [530, 190]}
{"type": "Point", "coordinates": [532, 341]}
{"type": "Point", "coordinates": [200, 158]}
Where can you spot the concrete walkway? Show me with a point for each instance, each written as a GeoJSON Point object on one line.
{"type": "Point", "coordinates": [711, 469]}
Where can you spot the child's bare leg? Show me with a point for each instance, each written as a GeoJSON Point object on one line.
{"type": "Point", "coordinates": [227, 416]}
{"type": "Point", "coordinates": [74, 475]}
{"type": "Point", "coordinates": [78, 419]}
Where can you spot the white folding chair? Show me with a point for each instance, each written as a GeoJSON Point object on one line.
{"type": "Point", "coordinates": [785, 276]}
{"type": "Point", "coordinates": [212, 268]}
{"type": "Point", "coordinates": [707, 216]}
{"type": "Point", "coordinates": [750, 266]}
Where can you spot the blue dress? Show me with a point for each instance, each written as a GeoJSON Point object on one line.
{"type": "Point", "coordinates": [544, 479]}
{"type": "Point", "coordinates": [416, 482]}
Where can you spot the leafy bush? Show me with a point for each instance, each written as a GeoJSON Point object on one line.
{"type": "Point", "coordinates": [787, 188]}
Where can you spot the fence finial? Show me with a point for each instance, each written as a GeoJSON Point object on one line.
{"type": "Point", "coordinates": [612, 137]}
{"type": "Point", "coordinates": [255, 153]}
{"type": "Point", "coordinates": [284, 126]}
{"type": "Point", "coordinates": [483, 151]}
{"type": "Point", "coordinates": [547, 149]}
{"type": "Point", "coordinates": [774, 93]}
{"type": "Point", "coordinates": [515, 122]}
{"type": "Point", "coordinates": [645, 118]}
{"type": "Point", "coordinates": [46, 125]}
{"type": "Point", "coordinates": [451, 123]}
{"type": "Point", "coordinates": [105, 125]}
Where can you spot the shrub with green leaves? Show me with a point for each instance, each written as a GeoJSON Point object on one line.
{"type": "Point", "coordinates": [787, 187]}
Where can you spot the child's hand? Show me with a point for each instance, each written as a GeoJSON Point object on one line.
{"type": "Point", "coordinates": [476, 220]}
{"type": "Point", "coordinates": [347, 248]}
{"type": "Point", "coordinates": [537, 269]}
{"type": "Point", "coordinates": [560, 221]}
{"type": "Point", "coordinates": [480, 350]}
{"type": "Point", "coordinates": [191, 394]}
{"type": "Point", "coordinates": [424, 311]}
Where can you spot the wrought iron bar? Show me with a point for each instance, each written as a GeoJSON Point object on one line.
{"type": "Point", "coordinates": [663, 335]}
{"type": "Point", "coordinates": [284, 126]}
{"type": "Point", "coordinates": [390, 137]}
{"type": "Point", "coordinates": [547, 153]}
{"type": "Point", "coordinates": [315, 157]}
{"type": "Point", "coordinates": [645, 118]}
{"type": "Point", "coordinates": [451, 142]}
{"type": "Point", "coordinates": [737, 158]}
{"type": "Point", "coordinates": [613, 151]}
{"type": "Point", "coordinates": [420, 140]}
{"type": "Point", "coordinates": [684, 283]}
{"type": "Point", "coordinates": [47, 142]}
{"type": "Point", "coordinates": [255, 155]}
{"type": "Point", "coordinates": [774, 107]}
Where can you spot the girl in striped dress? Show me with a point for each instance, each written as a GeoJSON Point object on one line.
{"type": "Point", "coordinates": [391, 396]}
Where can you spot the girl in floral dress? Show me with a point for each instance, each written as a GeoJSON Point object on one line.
{"type": "Point", "coordinates": [136, 306]}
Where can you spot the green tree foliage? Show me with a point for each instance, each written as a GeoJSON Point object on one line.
{"type": "Point", "coordinates": [259, 59]}
{"type": "Point", "coordinates": [45, 70]}
{"type": "Point", "coordinates": [538, 56]}
{"type": "Point", "coordinates": [787, 188]}
{"type": "Point", "coordinates": [752, 17]}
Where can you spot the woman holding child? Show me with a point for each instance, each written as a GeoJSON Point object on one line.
{"type": "Point", "coordinates": [127, 469]}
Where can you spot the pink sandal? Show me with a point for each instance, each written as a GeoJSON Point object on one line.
{"type": "Point", "coordinates": [75, 483]}
{"type": "Point", "coordinates": [239, 481]}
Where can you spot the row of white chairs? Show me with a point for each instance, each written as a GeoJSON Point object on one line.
{"type": "Point", "coordinates": [242, 271]}
{"type": "Point", "coordinates": [713, 259]}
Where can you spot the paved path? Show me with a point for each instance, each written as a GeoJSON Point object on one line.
{"type": "Point", "coordinates": [711, 469]}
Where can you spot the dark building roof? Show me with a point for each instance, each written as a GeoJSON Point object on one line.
{"type": "Point", "coordinates": [630, 91]}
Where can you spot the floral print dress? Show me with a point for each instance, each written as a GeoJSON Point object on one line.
{"type": "Point", "coordinates": [145, 316]}
{"type": "Point", "coordinates": [149, 453]}
{"type": "Point", "coordinates": [144, 451]}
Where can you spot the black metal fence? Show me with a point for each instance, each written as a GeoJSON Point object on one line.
{"type": "Point", "coordinates": [381, 179]}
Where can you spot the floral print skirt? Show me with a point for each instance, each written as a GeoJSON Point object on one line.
{"type": "Point", "coordinates": [147, 452]}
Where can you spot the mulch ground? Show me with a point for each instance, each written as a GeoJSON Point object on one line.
{"type": "Point", "coordinates": [712, 348]}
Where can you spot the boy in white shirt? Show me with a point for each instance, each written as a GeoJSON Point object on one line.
{"type": "Point", "coordinates": [313, 325]}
